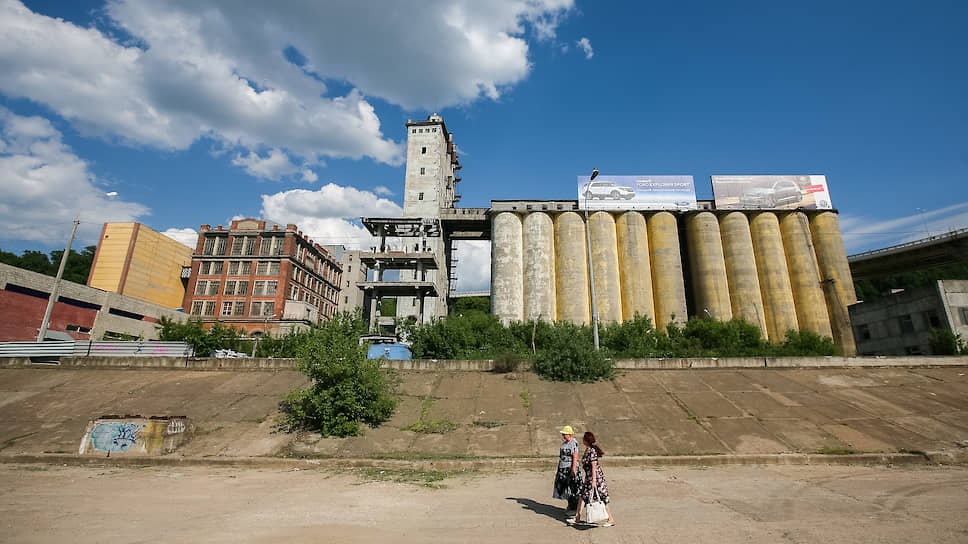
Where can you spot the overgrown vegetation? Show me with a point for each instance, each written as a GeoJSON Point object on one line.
{"type": "Point", "coordinates": [425, 425]}
{"type": "Point", "coordinates": [77, 268]}
{"type": "Point", "coordinates": [220, 336]}
{"type": "Point", "coordinates": [347, 390]}
{"type": "Point", "coordinates": [946, 342]}
{"type": "Point", "coordinates": [565, 352]}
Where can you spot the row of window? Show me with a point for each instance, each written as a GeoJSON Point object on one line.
{"type": "Point", "coordinates": [237, 288]}
{"type": "Point", "coordinates": [907, 324]}
{"type": "Point", "coordinates": [422, 130]}
{"type": "Point", "coordinates": [239, 268]}
{"type": "Point", "coordinates": [235, 308]}
{"type": "Point", "coordinates": [244, 245]}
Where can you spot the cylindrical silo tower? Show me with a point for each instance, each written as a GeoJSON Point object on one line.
{"type": "Point", "coordinates": [838, 283]}
{"type": "Point", "coordinates": [774, 276]}
{"type": "Point", "coordinates": [708, 266]}
{"type": "Point", "coordinates": [571, 269]}
{"type": "Point", "coordinates": [507, 267]}
{"type": "Point", "coordinates": [744, 283]}
{"type": "Point", "coordinates": [608, 293]}
{"type": "Point", "coordinates": [539, 267]}
{"type": "Point", "coordinates": [635, 269]}
{"type": "Point", "coordinates": [804, 274]}
{"type": "Point", "coordinates": [667, 284]}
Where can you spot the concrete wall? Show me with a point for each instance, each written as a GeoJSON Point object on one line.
{"type": "Point", "coordinates": [135, 436]}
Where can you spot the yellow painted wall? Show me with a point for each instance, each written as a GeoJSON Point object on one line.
{"type": "Point", "coordinates": [154, 269]}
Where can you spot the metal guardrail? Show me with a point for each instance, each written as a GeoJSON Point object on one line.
{"type": "Point", "coordinates": [96, 348]}
{"type": "Point", "coordinates": [913, 243]}
{"type": "Point", "coordinates": [36, 349]}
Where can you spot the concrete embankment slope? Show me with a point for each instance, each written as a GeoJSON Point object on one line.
{"type": "Point", "coordinates": [716, 412]}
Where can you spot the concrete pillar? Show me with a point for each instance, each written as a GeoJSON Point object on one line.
{"type": "Point", "coordinates": [744, 283]}
{"type": "Point", "coordinates": [708, 267]}
{"type": "Point", "coordinates": [808, 294]}
{"type": "Point", "coordinates": [507, 267]}
{"type": "Point", "coordinates": [571, 269]}
{"type": "Point", "coordinates": [539, 267]}
{"type": "Point", "coordinates": [635, 269]}
{"type": "Point", "coordinates": [608, 291]}
{"type": "Point", "coordinates": [774, 276]}
{"type": "Point", "coordinates": [668, 286]}
{"type": "Point", "coordinates": [835, 273]}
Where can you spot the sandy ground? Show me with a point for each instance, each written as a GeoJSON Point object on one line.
{"type": "Point", "coordinates": [42, 503]}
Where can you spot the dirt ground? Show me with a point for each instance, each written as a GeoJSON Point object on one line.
{"type": "Point", "coordinates": [797, 504]}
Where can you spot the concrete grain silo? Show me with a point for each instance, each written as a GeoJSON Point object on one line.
{"type": "Point", "coordinates": [571, 272]}
{"type": "Point", "coordinates": [507, 267]}
{"type": "Point", "coordinates": [781, 316]}
{"type": "Point", "coordinates": [808, 295]}
{"type": "Point", "coordinates": [539, 267]}
{"type": "Point", "coordinates": [744, 283]}
{"type": "Point", "coordinates": [635, 269]}
{"type": "Point", "coordinates": [667, 283]}
{"type": "Point", "coordinates": [608, 291]}
{"type": "Point", "coordinates": [708, 265]}
{"type": "Point", "coordinates": [837, 281]}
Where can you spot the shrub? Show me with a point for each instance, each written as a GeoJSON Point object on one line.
{"type": "Point", "coordinates": [946, 342]}
{"type": "Point", "coordinates": [805, 344]}
{"type": "Point", "coordinates": [347, 390]}
{"type": "Point", "coordinates": [568, 354]}
{"type": "Point", "coordinates": [204, 341]}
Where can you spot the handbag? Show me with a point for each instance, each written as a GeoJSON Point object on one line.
{"type": "Point", "coordinates": [595, 510]}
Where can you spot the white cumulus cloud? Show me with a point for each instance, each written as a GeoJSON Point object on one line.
{"type": "Point", "coordinates": [473, 266]}
{"type": "Point", "coordinates": [251, 76]}
{"type": "Point", "coordinates": [586, 46]}
{"type": "Point", "coordinates": [186, 236]}
{"type": "Point", "coordinates": [44, 186]}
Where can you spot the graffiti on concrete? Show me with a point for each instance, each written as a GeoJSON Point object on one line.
{"type": "Point", "coordinates": [116, 437]}
{"type": "Point", "coordinates": [135, 435]}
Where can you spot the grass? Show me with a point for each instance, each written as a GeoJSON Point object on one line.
{"type": "Point", "coordinates": [488, 424]}
{"type": "Point", "coordinates": [433, 426]}
{"type": "Point", "coordinates": [525, 399]}
{"type": "Point", "coordinates": [424, 478]}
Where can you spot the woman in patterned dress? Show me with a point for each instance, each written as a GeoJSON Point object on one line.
{"type": "Point", "coordinates": [567, 477]}
{"type": "Point", "coordinates": [594, 479]}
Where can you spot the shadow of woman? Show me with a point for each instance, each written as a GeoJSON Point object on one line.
{"type": "Point", "coordinates": [552, 512]}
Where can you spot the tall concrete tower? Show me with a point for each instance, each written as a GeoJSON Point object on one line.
{"type": "Point", "coordinates": [430, 186]}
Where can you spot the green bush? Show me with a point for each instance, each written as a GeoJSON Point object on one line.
{"type": "Point", "coordinates": [568, 354]}
{"type": "Point", "coordinates": [346, 389]}
{"type": "Point", "coordinates": [804, 344]}
{"type": "Point", "coordinates": [204, 341]}
{"type": "Point", "coordinates": [946, 342]}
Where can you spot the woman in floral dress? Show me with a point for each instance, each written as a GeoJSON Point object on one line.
{"type": "Point", "coordinates": [594, 479]}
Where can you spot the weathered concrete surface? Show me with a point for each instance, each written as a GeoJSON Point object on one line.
{"type": "Point", "coordinates": [760, 505]}
{"type": "Point", "coordinates": [640, 413]}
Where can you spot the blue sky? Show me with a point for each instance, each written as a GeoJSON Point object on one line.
{"type": "Point", "coordinates": [198, 112]}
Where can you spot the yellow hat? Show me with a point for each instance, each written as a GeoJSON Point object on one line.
{"type": "Point", "coordinates": [567, 430]}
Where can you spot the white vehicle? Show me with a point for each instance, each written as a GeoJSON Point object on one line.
{"type": "Point", "coordinates": [607, 189]}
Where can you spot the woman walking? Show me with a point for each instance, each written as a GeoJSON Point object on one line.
{"type": "Point", "coordinates": [594, 486]}
{"type": "Point", "coordinates": [568, 478]}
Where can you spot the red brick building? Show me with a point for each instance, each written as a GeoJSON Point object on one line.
{"type": "Point", "coordinates": [261, 277]}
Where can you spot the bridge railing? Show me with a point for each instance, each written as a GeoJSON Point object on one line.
{"type": "Point", "coordinates": [922, 241]}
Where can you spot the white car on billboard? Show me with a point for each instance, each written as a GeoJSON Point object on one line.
{"type": "Point", "coordinates": [607, 189]}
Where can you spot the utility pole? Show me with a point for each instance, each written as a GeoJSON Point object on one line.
{"type": "Point", "coordinates": [591, 269]}
{"type": "Point", "coordinates": [53, 291]}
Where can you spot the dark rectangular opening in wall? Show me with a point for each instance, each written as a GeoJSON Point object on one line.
{"type": "Point", "coordinates": [122, 313]}
{"type": "Point", "coordinates": [79, 303]}
{"type": "Point", "coordinates": [906, 323]}
{"type": "Point", "coordinates": [14, 288]}
{"type": "Point", "coordinates": [863, 332]}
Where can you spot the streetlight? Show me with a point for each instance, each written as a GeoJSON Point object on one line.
{"type": "Point", "coordinates": [45, 323]}
{"type": "Point", "coordinates": [591, 269]}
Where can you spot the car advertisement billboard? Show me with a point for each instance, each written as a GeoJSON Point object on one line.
{"type": "Point", "coordinates": [636, 193]}
{"type": "Point", "coordinates": [771, 192]}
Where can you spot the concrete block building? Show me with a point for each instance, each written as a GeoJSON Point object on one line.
{"type": "Point", "coordinates": [261, 277]}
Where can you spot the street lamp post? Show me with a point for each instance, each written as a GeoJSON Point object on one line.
{"type": "Point", "coordinates": [591, 269]}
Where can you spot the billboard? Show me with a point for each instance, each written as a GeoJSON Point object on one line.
{"type": "Point", "coordinates": [636, 193]}
{"type": "Point", "coordinates": [771, 192]}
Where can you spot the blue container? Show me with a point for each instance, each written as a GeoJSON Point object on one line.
{"type": "Point", "coordinates": [390, 351]}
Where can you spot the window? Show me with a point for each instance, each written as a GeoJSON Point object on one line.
{"type": "Point", "coordinates": [237, 245]}
{"type": "Point", "coordinates": [209, 246]}
{"type": "Point", "coordinates": [267, 268]}
{"type": "Point", "coordinates": [863, 332]}
{"type": "Point", "coordinates": [226, 308]}
{"type": "Point", "coordinates": [220, 245]}
{"type": "Point", "coordinates": [423, 171]}
{"type": "Point", "coordinates": [239, 308]}
{"type": "Point", "coordinates": [413, 131]}
{"type": "Point", "coordinates": [234, 268]}
{"type": "Point", "coordinates": [264, 288]}
{"type": "Point", "coordinates": [931, 318]}
{"type": "Point", "coordinates": [266, 246]}
{"type": "Point", "coordinates": [200, 287]}
{"type": "Point", "coordinates": [264, 309]}
{"type": "Point", "coordinates": [250, 245]}
{"type": "Point", "coordinates": [423, 150]}
{"type": "Point", "coordinates": [77, 328]}
{"type": "Point", "coordinates": [964, 315]}
{"type": "Point", "coordinates": [197, 307]}
{"type": "Point", "coordinates": [236, 288]}
{"type": "Point", "coordinates": [907, 324]}
{"type": "Point", "coordinates": [420, 195]}
{"type": "Point", "coordinates": [209, 308]}
{"type": "Point", "coordinates": [211, 268]}
{"type": "Point", "coordinates": [346, 300]}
